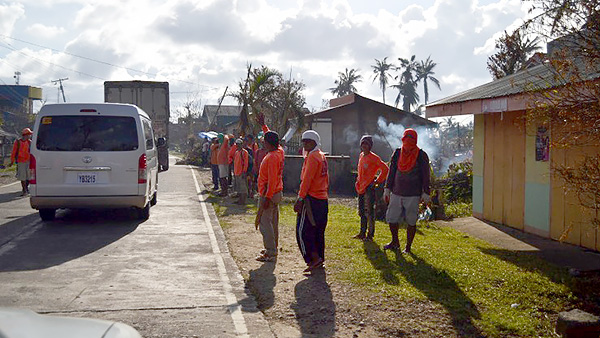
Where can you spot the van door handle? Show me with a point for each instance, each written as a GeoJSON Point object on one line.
{"type": "Point", "coordinates": [87, 169]}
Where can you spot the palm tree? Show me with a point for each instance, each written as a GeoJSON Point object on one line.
{"type": "Point", "coordinates": [250, 92]}
{"type": "Point", "coordinates": [381, 70]}
{"type": "Point", "coordinates": [407, 91]}
{"type": "Point", "coordinates": [345, 82]}
{"type": "Point", "coordinates": [424, 73]}
{"type": "Point", "coordinates": [407, 86]}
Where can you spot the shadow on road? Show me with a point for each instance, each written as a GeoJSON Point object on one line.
{"type": "Point", "coordinates": [314, 306]}
{"type": "Point", "coordinates": [75, 233]}
{"type": "Point", "coordinates": [11, 196]}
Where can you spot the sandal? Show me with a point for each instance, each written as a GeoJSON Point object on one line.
{"type": "Point", "coordinates": [314, 265]}
{"type": "Point", "coordinates": [265, 258]}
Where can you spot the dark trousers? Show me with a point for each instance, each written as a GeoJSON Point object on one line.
{"type": "Point", "coordinates": [311, 237]}
{"type": "Point", "coordinates": [366, 211]}
{"type": "Point", "coordinates": [215, 175]}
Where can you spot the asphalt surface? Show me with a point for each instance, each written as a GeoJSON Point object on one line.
{"type": "Point", "coordinates": [170, 276]}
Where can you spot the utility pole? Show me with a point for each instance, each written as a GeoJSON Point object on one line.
{"type": "Point", "coordinates": [17, 77]}
{"type": "Point", "coordinates": [60, 87]}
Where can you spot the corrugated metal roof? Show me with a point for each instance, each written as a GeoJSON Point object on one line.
{"type": "Point", "coordinates": [538, 77]}
{"type": "Point", "coordinates": [416, 118]}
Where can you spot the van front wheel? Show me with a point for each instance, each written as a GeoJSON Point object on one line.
{"type": "Point", "coordinates": [47, 214]}
{"type": "Point", "coordinates": [144, 213]}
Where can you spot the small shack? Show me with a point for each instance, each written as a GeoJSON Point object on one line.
{"type": "Point", "coordinates": [351, 116]}
{"type": "Point", "coordinates": [513, 183]}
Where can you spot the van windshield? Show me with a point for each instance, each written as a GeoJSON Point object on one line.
{"type": "Point", "coordinates": [87, 133]}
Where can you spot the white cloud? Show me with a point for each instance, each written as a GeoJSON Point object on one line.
{"type": "Point", "coordinates": [205, 45]}
{"type": "Point", "coordinates": [44, 31]}
{"type": "Point", "coordinates": [9, 15]}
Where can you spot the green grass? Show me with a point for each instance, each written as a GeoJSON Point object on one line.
{"type": "Point", "coordinates": [481, 287]}
{"type": "Point", "coordinates": [9, 169]}
{"type": "Point", "coordinates": [458, 209]}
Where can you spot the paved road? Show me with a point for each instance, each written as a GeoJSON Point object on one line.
{"type": "Point", "coordinates": [170, 276]}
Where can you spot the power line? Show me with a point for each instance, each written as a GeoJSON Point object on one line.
{"type": "Point", "coordinates": [101, 62]}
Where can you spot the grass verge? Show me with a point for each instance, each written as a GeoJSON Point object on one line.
{"type": "Point", "coordinates": [482, 289]}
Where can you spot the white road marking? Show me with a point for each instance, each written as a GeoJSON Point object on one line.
{"type": "Point", "coordinates": [235, 309]}
{"type": "Point", "coordinates": [8, 185]}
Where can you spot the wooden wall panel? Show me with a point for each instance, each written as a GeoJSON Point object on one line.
{"type": "Point", "coordinates": [499, 164]}
{"type": "Point", "coordinates": [516, 217]}
{"type": "Point", "coordinates": [557, 198]}
{"type": "Point", "coordinates": [488, 168]}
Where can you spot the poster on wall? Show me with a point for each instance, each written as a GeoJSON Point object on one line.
{"type": "Point", "coordinates": [542, 145]}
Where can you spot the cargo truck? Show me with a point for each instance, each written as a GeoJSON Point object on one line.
{"type": "Point", "coordinates": [153, 98]}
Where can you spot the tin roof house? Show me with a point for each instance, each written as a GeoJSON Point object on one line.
{"type": "Point", "coordinates": [513, 183]}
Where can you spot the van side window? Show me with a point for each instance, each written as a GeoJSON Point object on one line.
{"type": "Point", "coordinates": [148, 134]}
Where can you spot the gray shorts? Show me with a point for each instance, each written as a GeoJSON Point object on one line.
{"type": "Point", "coordinates": [223, 170]}
{"type": "Point", "coordinates": [23, 171]}
{"type": "Point", "coordinates": [403, 209]}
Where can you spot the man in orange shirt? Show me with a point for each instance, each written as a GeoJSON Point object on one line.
{"type": "Point", "coordinates": [241, 160]}
{"type": "Point", "coordinates": [20, 156]}
{"type": "Point", "coordinates": [223, 161]}
{"type": "Point", "coordinates": [270, 187]}
{"type": "Point", "coordinates": [369, 164]}
{"type": "Point", "coordinates": [230, 155]}
{"type": "Point", "coordinates": [312, 204]}
{"type": "Point", "coordinates": [214, 164]}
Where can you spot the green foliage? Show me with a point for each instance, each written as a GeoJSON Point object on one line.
{"type": "Point", "coordinates": [267, 92]}
{"type": "Point", "coordinates": [458, 209]}
{"type": "Point", "coordinates": [458, 183]}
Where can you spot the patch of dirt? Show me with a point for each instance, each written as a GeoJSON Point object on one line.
{"type": "Point", "coordinates": [7, 178]}
{"type": "Point", "coordinates": [299, 305]}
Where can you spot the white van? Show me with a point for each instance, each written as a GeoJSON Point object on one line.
{"type": "Point", "coordinates": [100, 155]}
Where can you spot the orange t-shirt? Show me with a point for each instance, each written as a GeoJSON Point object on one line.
{"type": "Point", "coordinates": [368, 167]}
{"type": "Point", "coordinates": [240, 162]}
{"type": "Point", "coordinates": [20, 151]}
{"type": "Point", "coordinates": [231, 154]}
{"type": "Point", "coordinates": [314, 177]}
{"type": "Point", "coordinates": [270, 174]}
{"type": "Point", "coordinates": [223, 152]}
{"type": "Point", "coordinates": [214, 149]}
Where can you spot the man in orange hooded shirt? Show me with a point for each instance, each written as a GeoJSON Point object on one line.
{"type": "Point", "coordinates": [312, 204]}
{"type": "Point", "coordinates": [270, 187]}
{"type": "Point", "coordinates": [369, 164]}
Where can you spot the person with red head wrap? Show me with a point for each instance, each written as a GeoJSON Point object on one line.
{"type": "Point", "coordinates": [406, 186]}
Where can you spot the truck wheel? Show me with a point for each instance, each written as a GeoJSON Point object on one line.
{"type": "Point", "coordinates": [153, 200]}
{"type": "Point", "coordinates": [47, 214]}
{"type": "Point", "coordinates": [144, 213]}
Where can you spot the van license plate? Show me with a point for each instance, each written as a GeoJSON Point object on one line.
{"type": "Point", "coordinates": [88, 178]}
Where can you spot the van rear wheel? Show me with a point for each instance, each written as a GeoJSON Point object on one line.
{"type": "Point", "coordinates": [47, 214]}
{"type": "Point", "coordinates": [153, 200]}
{"type": "Point", "coordinates": [144, 213]}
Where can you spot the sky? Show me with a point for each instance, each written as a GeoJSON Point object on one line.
{"type": "Point", "coordinates": [203, 46]}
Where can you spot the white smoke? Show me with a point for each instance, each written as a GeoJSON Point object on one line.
{"type": "Point", "coordinates": [391, 134]}
{"type": "Point", "coordinates": [350, 135]}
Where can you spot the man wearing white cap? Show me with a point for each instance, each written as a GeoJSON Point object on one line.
{"type": "Point", "coordinates": [312, 204]}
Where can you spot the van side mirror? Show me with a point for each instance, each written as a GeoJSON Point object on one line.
{"type": "Point", "coordinates": [161, 142]}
